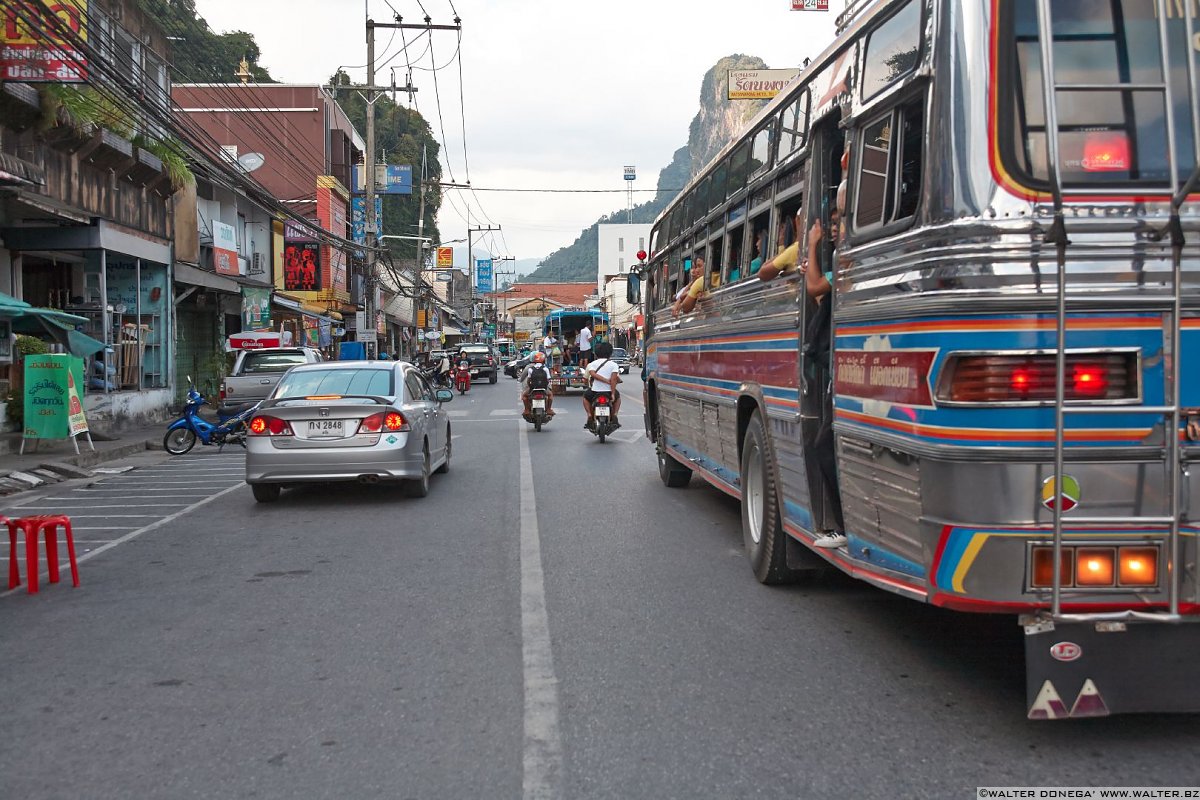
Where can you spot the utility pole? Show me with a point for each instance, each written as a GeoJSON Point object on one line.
{"type": "Point", "coordinates": [372, 93]}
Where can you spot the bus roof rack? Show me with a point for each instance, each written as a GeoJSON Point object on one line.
{"type": "Point", "coordinates": [853, 7]}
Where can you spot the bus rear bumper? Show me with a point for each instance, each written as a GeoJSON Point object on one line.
{"type": "Point", "coordinates": [1094, 669]}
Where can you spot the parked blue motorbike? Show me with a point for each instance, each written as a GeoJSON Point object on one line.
{"type": "Point", "coordinates": [183, 433]}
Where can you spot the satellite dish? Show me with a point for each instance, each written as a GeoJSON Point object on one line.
{"type": "Point", "coordinates": [250, 161]}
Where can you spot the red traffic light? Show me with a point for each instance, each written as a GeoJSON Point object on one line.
{"type": "Point", "coordinates": [641, 254]}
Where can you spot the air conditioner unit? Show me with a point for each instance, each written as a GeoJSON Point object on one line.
{"type": "Point", "coordinates": [258, 264]}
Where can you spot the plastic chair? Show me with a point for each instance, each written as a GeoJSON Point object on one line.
{"type": "Point", "coordinates": [32, 527]}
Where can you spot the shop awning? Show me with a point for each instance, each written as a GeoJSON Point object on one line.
{"type": "Point", "coordinates": [58, 325]}
{"type": "Point", "coordinates": [11, 306]}
{"type": "Point", "coordinates": [194, 276]}
{"type": "Point", "coordinates": [307, 309]}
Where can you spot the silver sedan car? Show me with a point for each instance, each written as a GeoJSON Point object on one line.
{"type": "Point", "coordinates": [365, 421]}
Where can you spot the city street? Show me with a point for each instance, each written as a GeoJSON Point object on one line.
{"type": "Point", "coordinates": [551, 621]}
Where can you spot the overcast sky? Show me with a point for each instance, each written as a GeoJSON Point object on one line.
{"type": "Point", "coordinates": [555, 94]}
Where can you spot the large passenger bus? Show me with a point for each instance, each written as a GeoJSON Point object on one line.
{"type": "Point", "coordinates": [1015, 335]}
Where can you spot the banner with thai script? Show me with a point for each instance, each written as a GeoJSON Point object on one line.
{"type": "Point", "coordinates": [887, 376]}
{"type": "Point", "coordinates": [35, 53]}
{"type": "Point", "coordinates": [256, 309]}
{"type": "Point", "coordinates": [51, 382]}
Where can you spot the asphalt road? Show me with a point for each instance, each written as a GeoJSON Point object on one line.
{"type": "Point", "coordinates": [551, 621]}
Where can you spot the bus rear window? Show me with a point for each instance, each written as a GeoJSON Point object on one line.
{"type": "Point", "coordinates": [1116, 136]}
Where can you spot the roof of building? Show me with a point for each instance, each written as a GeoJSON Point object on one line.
{"type": "Point", "coordinates": [565, 294]}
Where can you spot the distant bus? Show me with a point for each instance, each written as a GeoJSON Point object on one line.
{"type": "Point", "coordinates": [1015, 343]}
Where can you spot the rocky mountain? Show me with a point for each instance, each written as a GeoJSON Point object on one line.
{"type": "Point", "coordinates": [711, 129]}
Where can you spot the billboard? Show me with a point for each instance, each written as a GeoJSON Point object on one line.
{"type": "Point", "coordinates": [483, 274]}
{"type": "Point", "coordinates": [35, 57]}
{"type": "Point", "coordinates": [358, 218]}
{"type": "Point", "coordinates": [445, 258]}
{"type": "Point", "coordinates": [759, 84]}
{"type": "Point", "coordinates": [301, 266]}
{"type": "Point", "coordinates": [389, 179]}
{"type": "Point", "coordinates": [225, 255]}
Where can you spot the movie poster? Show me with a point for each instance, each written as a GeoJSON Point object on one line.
{"type": "Point", "coordinates": [301, 267]}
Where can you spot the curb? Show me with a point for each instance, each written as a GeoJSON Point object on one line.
{"type": "Point", "coordinates": [89, 458]}
{"type": "Point", "coordinates": [65, 468]}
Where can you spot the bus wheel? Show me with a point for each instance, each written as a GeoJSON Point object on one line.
{"type": "Point", "coordinates": [762, 530]}
{"type": "Point", "coordinates": [673, 473]}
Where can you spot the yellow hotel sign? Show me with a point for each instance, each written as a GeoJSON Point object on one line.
{"type": "Point", "coordinates": [445, 258]}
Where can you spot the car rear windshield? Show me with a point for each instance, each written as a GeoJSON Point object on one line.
{"type": "Point", "coordinates": [257, 363]}
{"type": "Point", "coordinates": [619, 352]}
{"type": "Point", "coordinates": [1115, 136]}
{"type": "Point", "coordinates": [325, 382]}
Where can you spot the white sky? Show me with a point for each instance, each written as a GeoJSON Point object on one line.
{"type": "Point", "coordinates": [556, 94]}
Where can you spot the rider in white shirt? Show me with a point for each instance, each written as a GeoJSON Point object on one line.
{"type": "Point", "coordinates": [604, 375]}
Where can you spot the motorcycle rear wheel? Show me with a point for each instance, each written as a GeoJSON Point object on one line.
{"type": "Point", "coordinates": [179, 441]}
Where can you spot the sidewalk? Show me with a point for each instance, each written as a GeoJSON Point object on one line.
{"type": "Point", "coordinates": [50, 461]}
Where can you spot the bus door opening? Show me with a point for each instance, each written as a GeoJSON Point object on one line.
{"type": "Point", "coordinates": [816, 337]}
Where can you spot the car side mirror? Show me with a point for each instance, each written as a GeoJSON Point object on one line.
{"type": "Point", "coordinates": [444, 395]}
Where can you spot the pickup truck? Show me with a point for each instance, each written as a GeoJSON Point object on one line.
{"type": "Point", "coordinates": [482, 360]}
{"type": "Point", "coordinates": [255, 373]}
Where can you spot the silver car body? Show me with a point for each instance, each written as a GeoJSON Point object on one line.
{"type": "Point", "coordinates": [325, 405]}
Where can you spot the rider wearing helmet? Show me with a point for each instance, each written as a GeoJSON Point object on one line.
{"type": "Point", "coordinates": [536, 376]}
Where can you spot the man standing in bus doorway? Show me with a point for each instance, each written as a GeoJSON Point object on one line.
{"type": "Point", "coordinates": [584, 343]}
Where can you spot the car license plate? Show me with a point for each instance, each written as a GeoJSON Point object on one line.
{"type": "Point", "coordinates": [326, 428]}
{"type": "Point", "coordinates": [540, 404]}
{"type": "Point", "coordinates": [601, 411]}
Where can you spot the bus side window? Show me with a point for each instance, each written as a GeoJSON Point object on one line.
{"type": "Point", "coordinates": [889, 167]}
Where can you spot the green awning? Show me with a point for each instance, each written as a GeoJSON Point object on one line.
{"type": "Point", "coordinates": [11, 306]}
{"type": "Point", "coordinates": [82, 345]}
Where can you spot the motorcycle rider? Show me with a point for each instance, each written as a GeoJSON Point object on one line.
{"type": "Point", "coordinates": [603, 374]}
{"type": "Point", "coordinates": [536, 376]}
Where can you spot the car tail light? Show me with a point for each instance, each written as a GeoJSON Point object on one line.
{"type": "Point", "coordinates": [270, 426]}
{"type": "Point", "coordinates": [1030, 378]}
{"type": "Point", "coordinates": [371, 424]}
{"type": "Point", "coordinates": [490, 362]}
{"type": "Point", "coordinates": [395, 421]}
{"type": "Point", "coordinates": [1091, 566]}
{"type": "Point", "coordinates": [221, 393]}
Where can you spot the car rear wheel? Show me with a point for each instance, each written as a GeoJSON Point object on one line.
{"type": "Point", "coordinates": [419, 487]}
{"type": "Point", "coordinates": [492, 379]}
{"type": "Point", "coordinates": [265, 492]}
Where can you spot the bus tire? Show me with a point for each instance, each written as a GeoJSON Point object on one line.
{"type": "Point", "coordinates": [673, 474]}
{"type": "Point", "coordinates": [762, 528]}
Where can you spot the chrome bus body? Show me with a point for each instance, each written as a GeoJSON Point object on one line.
{"type": "Point", "coordinates": [946, 499]}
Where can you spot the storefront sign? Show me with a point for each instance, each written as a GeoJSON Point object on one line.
{"type": "Point", "coordinates": [301, 266]}
{"type": "Point", "coordinates": [225, 249]}
{"type": "Point", "coordinates": [759, 84]}
{"type": "Point", "coordinates": [483, 275]}
{"type": "Point", "coordinates": [53, 409]}
{"type": "Point", "coordinates": [256, 309]}
{"type": "Point", "coordinates": [255, 340]}
{"type": "Point", "coordinates": [445, 258]}
{"type": "Point", "coordinates": [312, 331]}
{"type": "Point", "coordinates": [299, 232]}
{"type": "Point", "coordinates": [358, 218]}
{"type": "Point", "coordinates": [810, 5]}
{"type": "Point", "coordinates": [37, 56]}
{"type": "Point", "coordinates": [389, 179]}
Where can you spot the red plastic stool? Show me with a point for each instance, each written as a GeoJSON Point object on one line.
{"type": "Point", "coordinates": [32, 526]}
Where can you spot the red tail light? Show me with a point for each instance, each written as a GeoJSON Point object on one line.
{"type": "Point", "coordinates": [602, 400]}
{"type": "Point", "coordinates": [270, 426]}
{"type": "Point", "coordinates": [371, 424]}
{"type": "Point", "coordinates": [1030, 378]}
{"type": "Point", "coordinates": [222, 392]}
{"type": "Point", "coordinates": [392, 420]}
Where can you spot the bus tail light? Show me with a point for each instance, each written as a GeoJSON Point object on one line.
{"type": "Point", "coordinates": [1000, 378]}
{"type": "Point", "coordinates": [1096, 567]}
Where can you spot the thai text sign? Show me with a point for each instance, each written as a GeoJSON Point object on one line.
{"type": "Point", "coordinates": [483, 274]}
{"type": "Point", "coordinates": [389, 179]}
{"type": "Point", "coordinates": [759, 84]}
{"type": "Point", "coordinates": [358, 218]}
{"type": "Point", "coordinates": [225, 256]}
{"type": "Point", "coordinates": [810, 5]}
{"type": "Point", "coordinates": [891, 376]}
{"type": "Point", "coordinates": [35, 53]}
{"type": "Point", "coordinates": [445, 258]}
{"type": "Point", "coordinates": [53, 409]}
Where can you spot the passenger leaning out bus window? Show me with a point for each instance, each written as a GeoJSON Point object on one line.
{"type": "Point", "coordinates": [789, 257]}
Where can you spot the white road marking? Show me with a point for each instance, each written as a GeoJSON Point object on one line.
{"type": "Point", "coordinates": [543, 756]}
{"type": "Point", "coordinates": [144, 529]}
